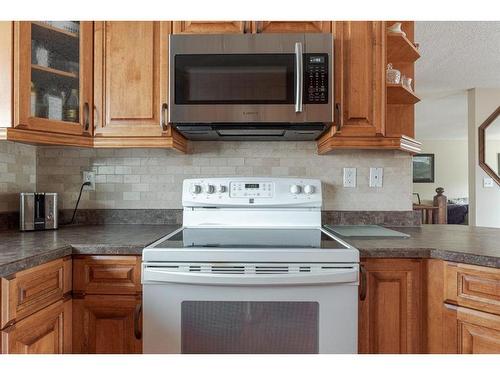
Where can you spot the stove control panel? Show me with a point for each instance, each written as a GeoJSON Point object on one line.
{"type": "Point", "coordinates": [251, 191]}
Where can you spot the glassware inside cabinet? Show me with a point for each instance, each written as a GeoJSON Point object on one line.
{"type": "Point", "coordinates": [55, 56]}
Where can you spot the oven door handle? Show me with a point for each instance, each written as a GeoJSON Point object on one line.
{"type": "Point", "coordinates": [335, 276]}
{"type": "Point", "coordinates": [299, 77]}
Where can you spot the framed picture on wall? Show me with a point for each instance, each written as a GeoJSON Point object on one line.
{"type": "Point", "coordinates": [423, 168]}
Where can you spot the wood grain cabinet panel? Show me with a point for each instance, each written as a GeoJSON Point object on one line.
{"type": "Point", "coordinates": [390, 316]}
{"type": "Point", "coordinates": [33, 289]}
{"type": "Point", "coordinates": [470, 331]}
{"type": "Point", "coordinates": [46, 332]}
{"type": "Point", "coordinates": [473, 286]}
{"type": "Point", "coordinates": [107, 274]}
{"type": "Point", "coordinates": [360, 77]}
{"type": "Point", "coordinates": [130, 65]}
{"type": "Point", "coordinates": [291, 26]}
{"type": "Point", "coordinates": [210, 27]}
{"type": "Point", "coordinates": [107, 324]}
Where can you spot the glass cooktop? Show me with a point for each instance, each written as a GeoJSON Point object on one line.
{"type": "Point", "coordinates": [250, 238]}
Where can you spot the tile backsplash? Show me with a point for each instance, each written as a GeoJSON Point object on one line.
{"type": "Point", "coordinates": [152, 178]}
{"type": "Point", "coordinates": [17, 173]}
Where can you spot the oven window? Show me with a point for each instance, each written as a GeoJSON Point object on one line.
{"type": "Point", "coordinates": [235, 79]}
{"type": "Point", "coordinates": [229, 327]}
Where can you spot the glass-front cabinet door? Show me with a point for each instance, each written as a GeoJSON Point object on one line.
{"type": "Point", "coordinates": [53, 76]}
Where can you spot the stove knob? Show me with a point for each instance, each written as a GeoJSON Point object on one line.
{"type": "Point", "coordinates": [209, 189]}
{"type": "Point", "coordinates": [309, 189]}
{"type": "Point", "coordinates": [295, 189]}
{"type": "Point", "coordinates": [195, 189]}
{"type": "Point", "coordinates": [221, 189]}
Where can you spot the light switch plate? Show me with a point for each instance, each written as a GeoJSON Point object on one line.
{"type": "Point", "coordinates": [350, 177]}
{"type": "Point", "coordinates": [376, 176]}
{"type": "Point", "coordinates": [487, 182]}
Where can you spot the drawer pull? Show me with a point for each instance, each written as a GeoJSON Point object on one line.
{"type": "Point", "coordinates": [363, 286]}
{"type": "Point", "coordinates": [137, 318]}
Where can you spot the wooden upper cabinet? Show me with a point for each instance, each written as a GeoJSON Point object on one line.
{"type": "Point", "coordinates": [291, 26]}
{"type": "Point", "coordinates": [130, 67]}
{"type": "Point", "coordinates": [6, 30]}
{"type": "Point", "coordinates": [241, 27]}
{"type": "Point", "coordinates": [53, 79]}
{"type": "Point", "coordinates": [210, 27]}
{"type": "Point", "coordinates": [360, 77]}
{"type": "Point", "coordinates": [390, 316]}
{"type": "Point", "coordinates": [45, 332]}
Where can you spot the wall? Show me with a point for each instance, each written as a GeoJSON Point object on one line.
{"type": "Point", "coordinates": [450, 169]}
{"type": "Point", "coordinates": [151, 178]}
{"type": "Point", "coordinates": [17, 173]}
{"type": "Point", "coordinates": [491, 154]}
{"type": "Point", "coordinates": [484, 209]}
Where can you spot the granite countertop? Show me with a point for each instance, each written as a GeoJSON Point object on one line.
{"type": "Point", "coordinates": [22, 250]}
{"type": "Point", "coordinates": [456, 243]}
{"type": "Point", "coordinates": [18, 250]}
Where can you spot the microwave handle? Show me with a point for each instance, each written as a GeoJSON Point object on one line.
{"type": "Point", "coordinates": [165, 275]}
{"type": "Point", "coordinates": [299, 77]}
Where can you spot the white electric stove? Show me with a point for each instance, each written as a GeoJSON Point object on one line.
{"type": "Point", "coordinates": [251, 271]}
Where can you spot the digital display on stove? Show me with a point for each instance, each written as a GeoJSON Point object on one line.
{"type": "Point", "coordinates": [251, 186]}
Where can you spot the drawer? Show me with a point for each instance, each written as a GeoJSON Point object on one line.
{"type": "Point", "coordinates": [473, 286]}
{"type": "Point", "coordinates": [29, 291]}
{"type": "Point", "coordinates": [107, 274]}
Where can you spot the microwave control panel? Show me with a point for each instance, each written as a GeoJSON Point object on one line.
{"type": "Point", "coordinates": [315, 78]}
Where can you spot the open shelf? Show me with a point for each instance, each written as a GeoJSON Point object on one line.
{"type": "Point", "coordinates": [56, 72]}
{"type": "Point", "coordinates": [401, 49]}
{"type": "Point", "coordinates": [398, 94]}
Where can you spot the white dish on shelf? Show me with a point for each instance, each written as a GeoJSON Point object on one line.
{"type": "Point", "coordinates": [396, 29]}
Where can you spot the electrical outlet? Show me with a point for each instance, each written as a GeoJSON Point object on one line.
{"type": "Point", "coordinates": [376, 177]}
{"type": "Point", "coordinates": [350, 177]}
{"type": "Point", "coordinates": [89, 176]}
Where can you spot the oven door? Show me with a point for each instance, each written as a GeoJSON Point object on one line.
{"type": "Point", "coordinates": [244, 78]}
{"type": "Point", "coordinates": [221, 313]}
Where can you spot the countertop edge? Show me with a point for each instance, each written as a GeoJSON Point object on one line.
{"type": "Point", "coordinates": [35, 260]}
{"type": "Point", "coordinates": [68, 248]}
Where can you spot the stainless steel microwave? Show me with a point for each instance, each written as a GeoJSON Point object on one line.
{"type": "Point", "coordinates": [251, 86]}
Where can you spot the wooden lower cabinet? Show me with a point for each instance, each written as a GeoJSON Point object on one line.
{"type": "Point", "coordinates": [478, 332]}
{"type": "Point", "coordinates": [468, 331]}
{"type": "Point", "coordinates": [31, 290]}
{"type": "Point", "coordinates": [390, 316]}
{"type": "Point", "coordinates": [107, 324]}
{"type": "Point", "coordinates": [46, 332]}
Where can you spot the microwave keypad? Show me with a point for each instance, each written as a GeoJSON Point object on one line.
{"type": "Point", "coordinates": [315, 78]}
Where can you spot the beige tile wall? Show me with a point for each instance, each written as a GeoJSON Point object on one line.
{"type": "Point", "coordinates": [152, 178]}
{"type": "Point", "coordinates": [17, 173]}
